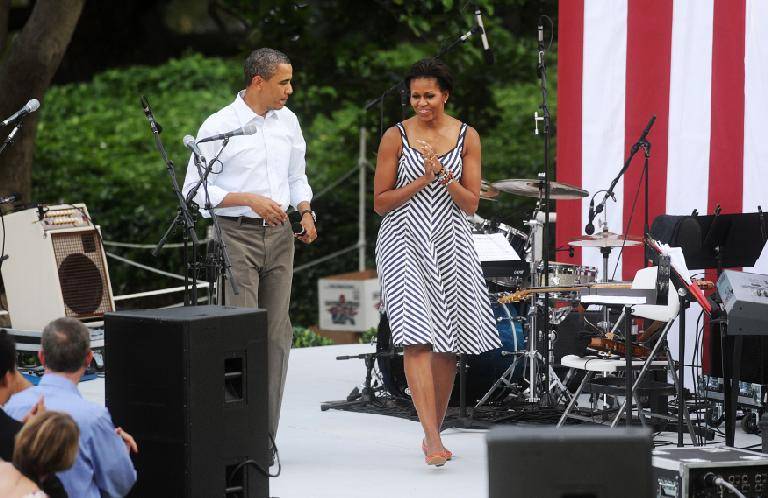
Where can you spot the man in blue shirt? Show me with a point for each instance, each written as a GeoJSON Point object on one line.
{"type": "Point", "coordinates": [103, 466]}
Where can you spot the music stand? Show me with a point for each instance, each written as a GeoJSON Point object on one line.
{"type": "Point", "coordinates": [714, 241]}
{"type": "Point", "coordinates": [717, 241]}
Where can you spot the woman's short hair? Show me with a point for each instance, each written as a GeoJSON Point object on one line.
{"type": "Point", "coordinates": [431, 68]}
{"type": "Point", "coordinates": [47, 443]}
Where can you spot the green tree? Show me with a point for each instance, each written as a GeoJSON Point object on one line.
{"type": "Point", "coordinates": [28, 61]}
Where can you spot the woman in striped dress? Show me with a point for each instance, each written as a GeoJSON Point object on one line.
{"type": "Point", "coordinates": [427, 174]}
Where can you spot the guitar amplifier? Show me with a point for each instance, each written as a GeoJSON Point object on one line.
{"type": "Point", "coordinates": [745, 300]}
{"type": "Point", "coordinates": [56, 266]}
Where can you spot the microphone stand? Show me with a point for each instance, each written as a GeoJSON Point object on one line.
{"type": "Point", "coordinates": [183, 216]}
{"type": "Point", "coordinates": [222, 263]}
{"type": "Point", "coordinates": [11, 136]}
{"type": "Point", "coordinates": [545, 188]}
{"type": "Point", "coordinates": [646, 146]}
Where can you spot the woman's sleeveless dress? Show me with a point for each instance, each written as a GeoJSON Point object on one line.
{"type": "Point", "coordinates": [432, 288]}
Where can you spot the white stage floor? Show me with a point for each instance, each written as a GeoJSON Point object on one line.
{"type": "Point", "coordinates": [342, 454]}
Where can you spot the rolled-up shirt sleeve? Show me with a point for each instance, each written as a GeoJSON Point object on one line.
{"type": "Point", "coordinates": [216, 194]}
{"type": "Point", "coordinates": [113, 471]}
{"type": "Point", "coordinates": [297, 177]}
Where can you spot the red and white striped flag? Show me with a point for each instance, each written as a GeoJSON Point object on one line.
{"type": "Point", "coordinates": [700, 66]}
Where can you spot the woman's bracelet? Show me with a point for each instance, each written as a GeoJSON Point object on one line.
{"type": "Point", "coordinates": [447, 178]}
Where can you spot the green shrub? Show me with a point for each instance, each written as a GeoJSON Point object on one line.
{"type": "Point", "coordinates": [305, 338]}
{"type": "Point", "coordinates": [368, 336]}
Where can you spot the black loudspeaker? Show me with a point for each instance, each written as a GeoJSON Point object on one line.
{"type": "Point", "coordinates": [754, 357]}
{"type": "Point", "coordinates": [190, 384]}
{"type": "Point", "coordinates": [572, 462]}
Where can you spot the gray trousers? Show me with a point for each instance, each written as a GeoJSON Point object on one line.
{"type": "Point", "coordinates": [262, 264]}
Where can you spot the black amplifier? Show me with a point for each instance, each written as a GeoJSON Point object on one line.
{"type": "Point", "coordinates": [694, 472]}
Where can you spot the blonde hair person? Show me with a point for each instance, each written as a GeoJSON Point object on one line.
{"type": "Point", "coordinates": [48, 443]}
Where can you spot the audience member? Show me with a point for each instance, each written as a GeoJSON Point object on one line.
{"type": "Point", "coordinates": [103, 466]}
{"type": "Point", "coordinates": [11, 382]}
{"type": "Point", "coordinates": [47, 443]}
{"type": "Point", "coordinates": [13, 484]}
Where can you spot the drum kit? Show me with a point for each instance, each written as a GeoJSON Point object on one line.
{"type": "Point", "coordinates": [515, 371]}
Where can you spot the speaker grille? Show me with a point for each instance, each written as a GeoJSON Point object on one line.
{"type": "Point", "coordinates": [82, 273]}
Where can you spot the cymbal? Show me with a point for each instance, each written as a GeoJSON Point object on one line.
{"type": "Point", "coordinates": [530, 188]}
{"type": "Point", "coordinates": [488, 191]}
{"type": "Point", "coordinates": [606, 239]}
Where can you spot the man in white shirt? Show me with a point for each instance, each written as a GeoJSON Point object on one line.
{"type": "Point", "coordinates": [256, 178]}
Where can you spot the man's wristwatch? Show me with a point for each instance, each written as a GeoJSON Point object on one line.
{"type": "Point", "coordinates": [305, 211]}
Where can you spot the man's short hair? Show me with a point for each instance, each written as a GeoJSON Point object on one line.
{"type": "Point", "coordinates": [263, 62]}
{"type": "Point", "coordinates": [65, 344]}
{"type": "Point", "coordinates": [7, 353]}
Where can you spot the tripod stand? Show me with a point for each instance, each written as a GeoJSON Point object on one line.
{"type": "Point", "coordinates": [531, 360]}
{"type": "Point", "coordinates": [357, 397]}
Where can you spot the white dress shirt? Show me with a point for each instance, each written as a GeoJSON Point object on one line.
{"type": "Point", "coordinates": [269, 163]}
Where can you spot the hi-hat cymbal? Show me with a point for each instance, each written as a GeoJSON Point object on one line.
{"type": "Point", "coordinates": [606, 239]}
{"type": "Point", "coordinates": [488, 191]}
{"type": "Point", "coordinates": [530, 188]}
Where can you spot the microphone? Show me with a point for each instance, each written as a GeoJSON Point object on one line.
{"type": "Point", "coordinates": [28, 108]}
{"type": "Point", "coordinates": [487, 52]}
{"type": "Point", "coordinates": [647, 128]}
{"type": "Point", "coordinates": [249, 128]}
{"type": "Point", "coordinates": [590, 228]}
{"type": "Point", "coordinates": [189, 143]}
{"type": "Point", "coordinates": [156, 128]}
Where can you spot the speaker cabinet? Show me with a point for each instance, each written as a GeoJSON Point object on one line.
{"type": "Point", "coordinates": [754, 357]}
{"type": "Point", "coordinates": [571, 462]}
{"type": "Point", "coordinates": [190, 384]}
{"type": "Point", "coordinates": [56, 266]}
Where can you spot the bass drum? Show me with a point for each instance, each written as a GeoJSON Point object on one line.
{"type": "Point", "coordinates": [483, 370]}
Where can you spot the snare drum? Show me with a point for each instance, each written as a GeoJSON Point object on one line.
{"type": "Point", "coordinates": [566, 275]}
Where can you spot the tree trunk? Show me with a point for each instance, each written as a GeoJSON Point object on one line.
{"type": "Point", "coordinates": [5, 9]}
{"type": "Point", "coordinates": [26, 73]}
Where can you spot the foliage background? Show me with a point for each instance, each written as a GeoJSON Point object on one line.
{"type": "Point", "coordinates": [95, 146]}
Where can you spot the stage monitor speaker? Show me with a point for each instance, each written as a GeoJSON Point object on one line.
{"type": "Point", "coordinates": [190, 384]}
{"type": "Point", "coordinates": [754, 357]}
{"type": "Point", "coordinates": [573, 462]}
{"type": "Point", "coordinates": [56, 266]}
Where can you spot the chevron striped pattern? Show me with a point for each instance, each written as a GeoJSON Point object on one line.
{"type": "Point", "coordinates": [432, 288]}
